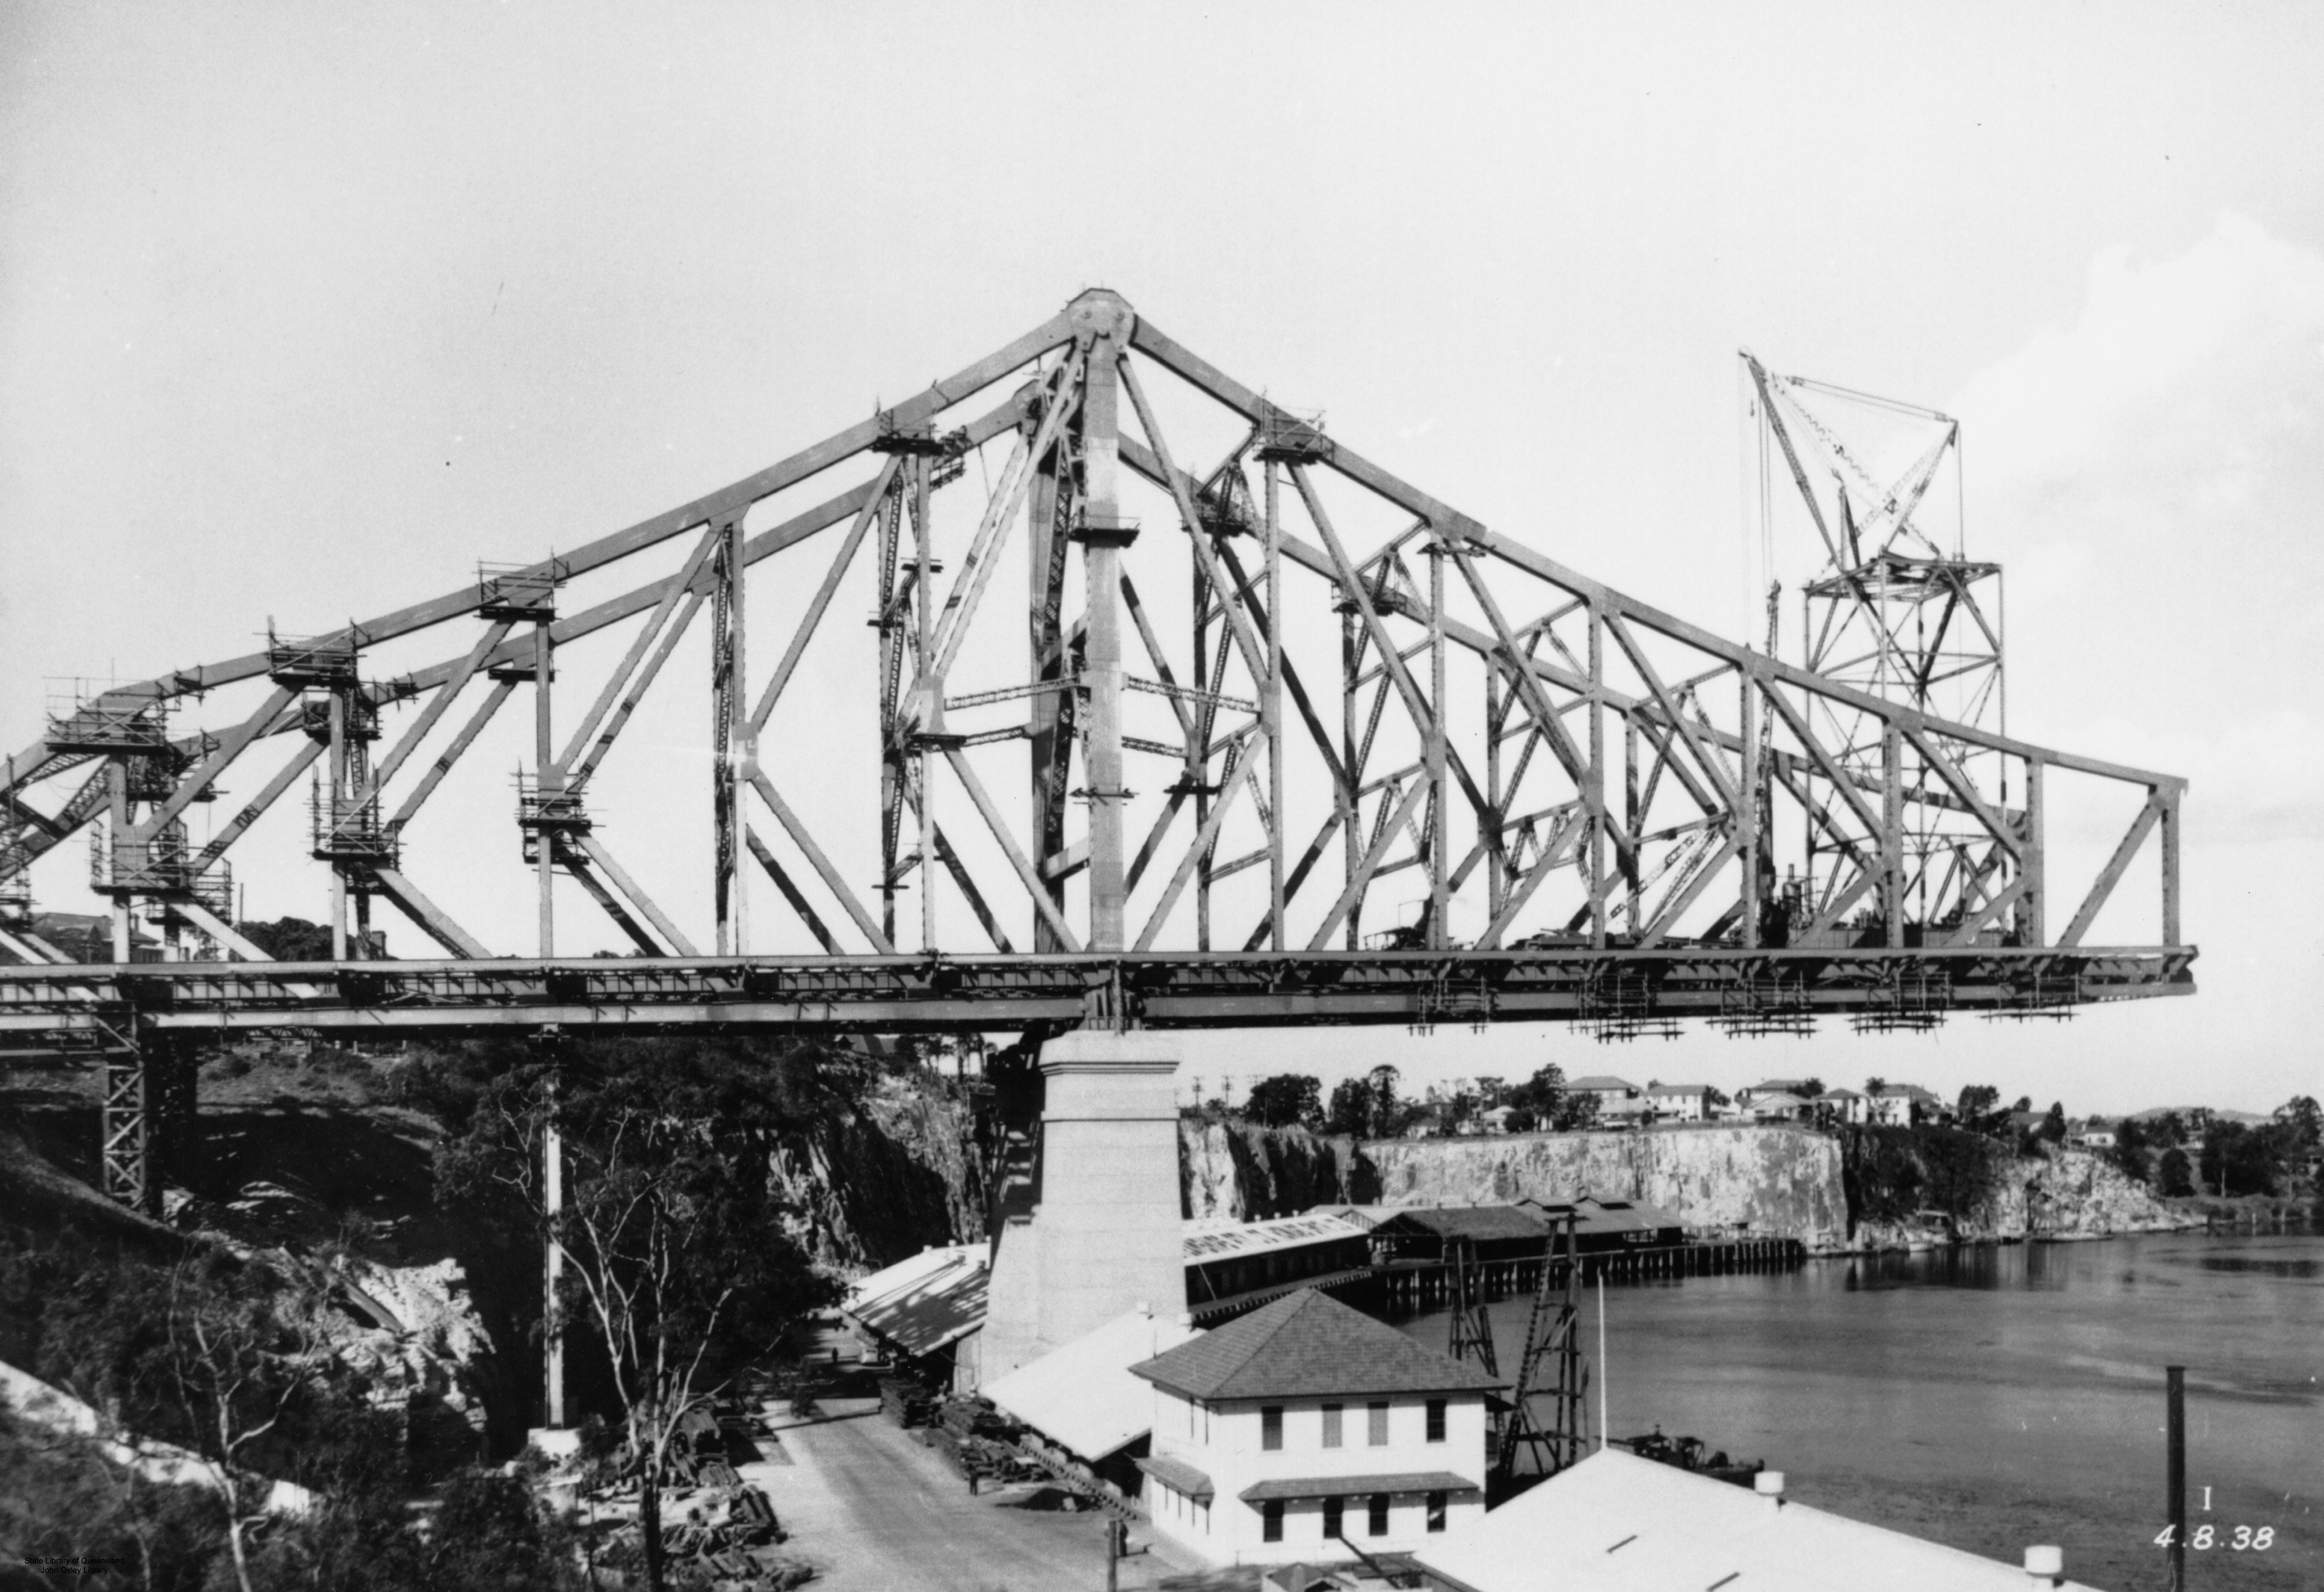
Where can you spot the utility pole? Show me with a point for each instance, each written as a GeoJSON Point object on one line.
{"type": "Point", "coordinates": [2175, 1470]}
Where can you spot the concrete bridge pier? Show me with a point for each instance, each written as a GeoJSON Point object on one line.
{"type": "Point", "coordinates": [1102, 1236]}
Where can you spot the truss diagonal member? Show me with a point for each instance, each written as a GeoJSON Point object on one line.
{"type": "Point", "coordinates": [230, 747]}
{"type": "Point", "coordinates": [578, 871]}
{"type": "Point", "coordinates": [840, 562]}
{"type": "Point", "coordinates": [31, 951]}
{"type": "Point", "coordinates": [643, 683]}
{"type": "Point", "coordinates": [84, 805]}
{"type": "Point", "coordinates": [1207, 837]}
{"type": "Point", "coordinates": [1711, 766]}
{"type": "Point", "coordinates": [433, 919]}
{"type": "Point", "coordinates": [1158, 659]}
{"type": "Point", "coordinates": [998, 826]}
{"type": "Point", "coordinates": [1958, 783]}
{"type": "Point", "coordinates": [791, 893]}
{"type": "Point", "coordinates": [595, 850]}
{"type": "Point", "coordinates": [1570, 826]}
{"type": "Point", "coordinates": [1975, 919]}
{"type": "Point", "coordinates": [1162, 821]}
{"type": "Point", "coordinates": [1689, 889]}
{"type": "Point", "coordinates": [300, 762]}
{"type": "Point", "coordinates": [1264, 931]}
{"type": "Point", "coordinates": [804, 841]}
{"type": "Point", "coordinates": [1813, 746]}
{"type": "Point", "coordinates": [1175, 481]}
{"type": "Point", "coordinates": [1291, 681]}
{"type": "Point", "coordinates": [1383, 837]}
{"type": "Point", "coordinates": [451, 754]}
{"type": "Point", "coordinates": [495, 634]}
{"type": "Point", "coordinates": [1000, 514]}
{"type": "Point", "coordinates": [969, 893]}
{"type": "Point", "coordinates": [2103, 885]}
{"type": "Point", "coordinates": [1415, 703]}
{"type": "Point", "coordinates": [31, 815]}
{"type": "Point", "coordinates": [615, 682]}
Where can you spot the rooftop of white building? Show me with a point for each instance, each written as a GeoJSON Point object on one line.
{"type": "Point", "coordinates": [1616, 1523]}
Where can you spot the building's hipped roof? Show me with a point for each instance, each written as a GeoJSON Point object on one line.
{"type": "Point", "coordinates": [924, 1302]}
{"type": "Point", "coordinates": [1481, 1222]}
{"type": "Point", "coordinates": [1308, 1345]}
{"type": "Point", "coordinates": [1616, 1523]}
{"type": "Point", "coordinates": [1600, 1080]}
{"type": "Point", "coordinates": [1082, 1395]}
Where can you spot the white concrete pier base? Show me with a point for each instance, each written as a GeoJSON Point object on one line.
{"type": "Point", "coordinates": [1105, 1236]}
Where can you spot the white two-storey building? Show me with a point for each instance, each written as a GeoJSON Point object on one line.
{"type": "Point", "coordinates": [1306, 1431]}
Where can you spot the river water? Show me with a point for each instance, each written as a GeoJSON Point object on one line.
{"type": "Point", "coordinates": [1996, 1396]}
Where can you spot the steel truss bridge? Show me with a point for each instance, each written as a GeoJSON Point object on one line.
{"type": "Point", "coordinates": [1165, 772]}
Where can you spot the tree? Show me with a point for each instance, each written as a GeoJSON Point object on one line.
{"type": "Point", "coordinates": [1875, 1085]}
{"type": "Point", "coordinates": [2177, 1178]}
{"type": "Point", "coordinates": [1390, 1113]}
{"type": "Point", "coordinates": [1352, 1109]}
{"type": "Point", "coordinates": [2237, 1160]}
{"type": "Point", "coordinates": [1577, 1110]}
{"type": "Point", "coordinates": [677, 1261]}
{"type": "Point", "coordinates": [2054, 1126]}
{"type": "Point", "coordinates": [2303, 1123]}
{"type": "Point", "coordinates": [1286, 1100]}
{"type": "Point", "coordinates": [1809, 1088]}
{"type": "Point", "coordinates": [290, 939]}
{"type": "Point", "coordinates": [1977, 1109]}
{"type": "Point", "coordinates": [2129, 1151]}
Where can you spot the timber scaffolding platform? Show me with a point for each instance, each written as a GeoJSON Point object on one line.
{"type": "Point", "coordinates": [1419, 1284]}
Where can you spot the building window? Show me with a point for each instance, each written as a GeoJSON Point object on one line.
{"type": "Point", "coordinates": [1270, 1430]}
{"type": "Point", "coordinates": [1270, 1520]}
{"type": "Point", "coordinates": [1331, 1426]}
{"type": "Point", "coordinates": [1378, 1411]}
{"type": "Point", "coordinates": [1334, 1519]}
{"type": "Point", "coordinates": [1435, 1512]}
{"type": "Point", "coordinates": [1377, 1524]}
{"type": "Point", "coordinates": [1437, 1421]}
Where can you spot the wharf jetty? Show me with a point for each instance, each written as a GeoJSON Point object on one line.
{"type": "Point", "coordinates": [1416, 1283]}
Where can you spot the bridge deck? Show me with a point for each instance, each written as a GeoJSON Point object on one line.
{"type": "Point", "coordinates": [983, 993]}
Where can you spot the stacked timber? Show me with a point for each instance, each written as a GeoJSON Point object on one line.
{"type": "Point", "coordinates": [906, 1400]}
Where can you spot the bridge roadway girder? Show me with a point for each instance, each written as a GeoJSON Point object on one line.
{"type": "Point", "coordinates": [970, 994]}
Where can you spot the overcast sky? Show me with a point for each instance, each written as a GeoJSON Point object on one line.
{"type": "Point", "coordinates": [305, 309]}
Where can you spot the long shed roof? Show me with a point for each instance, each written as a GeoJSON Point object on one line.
{"type": "Point", "coordinates": [1083, 1395]}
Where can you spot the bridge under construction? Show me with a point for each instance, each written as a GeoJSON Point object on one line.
{"type": "Point", "coordinates": [1164, 773]}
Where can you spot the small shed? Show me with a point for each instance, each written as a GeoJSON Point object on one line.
{"type": "Point", "coordinates": [927, 1309]}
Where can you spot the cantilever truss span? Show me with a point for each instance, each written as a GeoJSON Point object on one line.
{"type": "Point", "coordinates": [1088, 685]}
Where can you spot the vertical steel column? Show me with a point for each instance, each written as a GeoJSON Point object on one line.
{"type": "Point", "coordinates": [2170, 827]}
{"type": "Point", "coordinates": [547, 781]}
{"type": "Point", "coordinates": [1270, 703]}
{"type": "Point", "coordinates": [1633, 819]}
{"type": "Point", "coordinates": [930, 712]}
{"type": "Point", "coordinates": [730, 734]}
{"type": "Point", "coordinates": [891, 663]}
{"type": "Point", "coordinates": [1593, 790]}
{"type": "Point", "coordinates": [1892, 832]}
{"type": "Point", "coordinates": [338, 782]}
{"type": "Point", "coordinates": [1497, 865]}
{"type": "Point", "coordinates": [1045, 568]}
{"type": "Point", "coordinates": [1440, 789]}
{"type": "Point", "coordinates": [1351, 844]}
{"type": "Point", "coordinates": [1747, 818]}
{"type": "Point", "coordinates": [2034, 862]}
{"type": "Point", "coordinates": [1103, 536]}
{"type": "Point", "coordinates": [117, 839]}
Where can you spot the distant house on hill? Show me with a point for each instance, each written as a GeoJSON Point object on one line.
{"type": "Point", "coordinates": [1607, 1089]}
{"type": "Point", "coordinates": [1308, 1431]}
{"type": "Point", "coordinates": [1901, 1105]}
{"type": "Point", "coordinates": [1680, 1102]}
{"type": "Point", "coordinates": [1776, 1105]}
{"type": "Point", "coordinates": [1844, 1105]}
{"type": "Point", "coordinates": [1792, 1086]}
{"type": "Point", "coordinates": [2096, 1135]}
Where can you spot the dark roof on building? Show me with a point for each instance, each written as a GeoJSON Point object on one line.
{"type": "Point", "coordinates": [1600, 1080]}
{"type": "Point", "coordinates": [1308, 1345]}
{"type": "Point", "coordinates": [1178, 1476]}
{"type": "Point", "coordinates": [1479, 1222]}
{"type": "Point", "coordinates": [1339, 1486]}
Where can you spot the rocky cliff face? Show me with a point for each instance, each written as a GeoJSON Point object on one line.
{"type": "Point", "coordinates": [1870, 1189]}
{"type": "Point", "coordinates": [1771, 1180]}
{"type": "Point", "coordinates": [907, 1168]}
{"type": "Point", "coordinates": [1247, 1173]}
